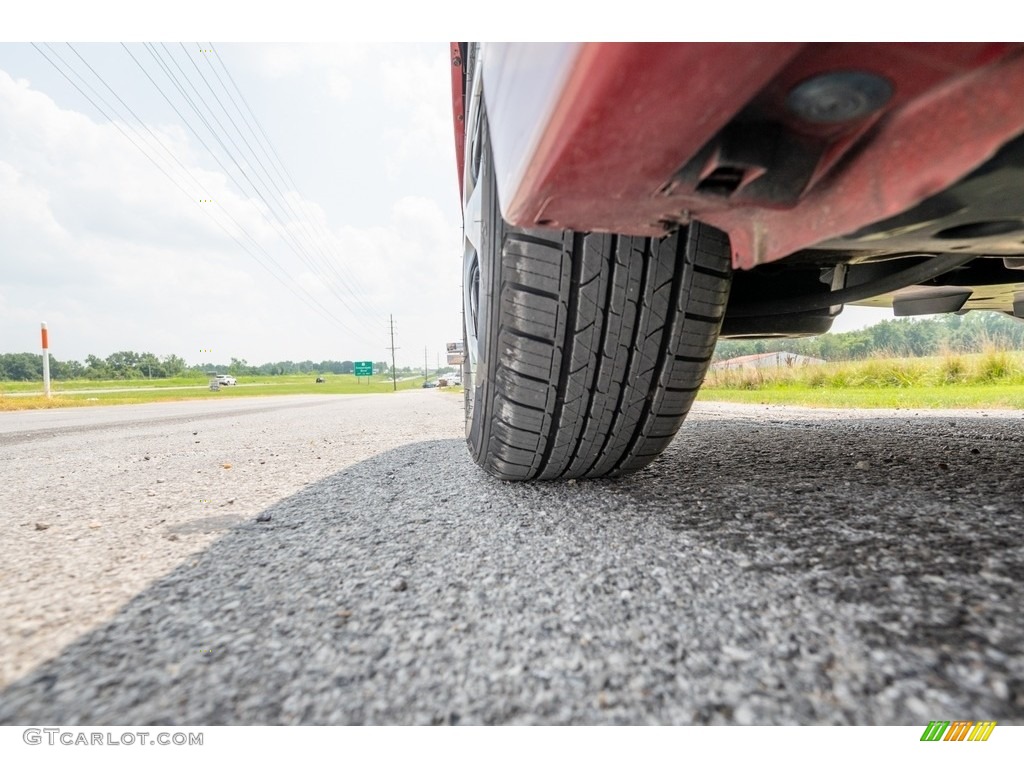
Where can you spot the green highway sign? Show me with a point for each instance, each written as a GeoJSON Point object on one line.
{"type": "Point", "coordinates": [363, 368]}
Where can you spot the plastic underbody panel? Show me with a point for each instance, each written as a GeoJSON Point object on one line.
{"type": "Point", "coordinates": [981, 214]}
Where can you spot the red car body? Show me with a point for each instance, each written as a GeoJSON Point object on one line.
{"type": "Point", "coordinates": [591, 136]}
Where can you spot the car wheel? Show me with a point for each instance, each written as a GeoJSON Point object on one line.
{"type": "Point", "coordinates": [585, 351]}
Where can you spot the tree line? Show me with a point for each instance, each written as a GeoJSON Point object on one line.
{"type": "Point", "coordinates": [28, 366]}
{"type": "Point", "coordinates": [241, 367]}
{"type": "Point", "coordinates": [903, 337]}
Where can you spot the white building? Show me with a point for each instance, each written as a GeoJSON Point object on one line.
{"type": "Point", "coordinates": [766, 360]}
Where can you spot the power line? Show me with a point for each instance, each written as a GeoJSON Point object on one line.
{"type": "Point", "coordinates": [160, 168]}
{"type": "Point", "coordinates": [272, 154]}
{"type": "Point", "coordinates": [286, 235]}
{"type": "Point", "coordinates": [170, 154]}
{"type": "Point", "coordinates": [303, 221]}
{"type": "Point", "coordinates": [163, 66]}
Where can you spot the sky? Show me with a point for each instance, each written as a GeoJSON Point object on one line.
{"type": "Point", "coordinates": [294, 231]}
{"type": "Point", "coordinates": [308, 197]}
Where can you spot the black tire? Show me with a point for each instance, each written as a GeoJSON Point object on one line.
{"type": "Point", "coordinates": [590, 348]}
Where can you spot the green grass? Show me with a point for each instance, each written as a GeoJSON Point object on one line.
{"type": "Point", "coordinates": [69, 394]}
{"type": "Point", "coordinates": [966, 396]}
{"type": "Point", "coordinates": [993, 379]}
{"type": "Point", "coordinates": [69, 386]}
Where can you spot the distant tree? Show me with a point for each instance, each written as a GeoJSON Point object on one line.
{"type": "Point", "coordinates": [238, 367]}
{"type": "Point", "coordinates": [123, 365]}
{"type": "Point", "coordinates": [347, 366]}
{"type": "Point", "coordinates": [96, 368]}
{"type": "Point", "coordinates": [173, 366]}
{"type": "Point", "coordinates": [21, 366]}
{"type": "Point", "coordinates": [908, 337]}
{"type": "Point", "coordinates": [922, 338]}
{"type": "Point", "coordinates": [149, 366]}
{"type": "Point", "coordinates": [66, 370]}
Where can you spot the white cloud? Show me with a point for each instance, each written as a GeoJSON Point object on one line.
{"type": "Point", "coordinates": [336, 65]}
{"type": "Point", "coordinates": [98, 242]}
{"type": "Point", "coordinates": [422, 86]}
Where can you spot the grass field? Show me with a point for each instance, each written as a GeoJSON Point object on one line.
{"type": "Point", "coordinates": [78, 393]}
{"type": "Point", "coordinates": [994, 379]}
{"type": "Point", "coordinates": [7, 387]}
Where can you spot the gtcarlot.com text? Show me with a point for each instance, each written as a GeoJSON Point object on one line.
{"type": "Point", "coordinates": [71, 737]}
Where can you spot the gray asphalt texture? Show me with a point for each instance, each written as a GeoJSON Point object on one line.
{"type": "Point", "coordinates": [777, 565]}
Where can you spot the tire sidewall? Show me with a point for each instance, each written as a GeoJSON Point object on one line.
{"type": "Point", "coordinates": [478, 410]}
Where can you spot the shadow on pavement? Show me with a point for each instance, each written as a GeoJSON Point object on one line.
{"type": "Point", "coordinates": [761, 572]}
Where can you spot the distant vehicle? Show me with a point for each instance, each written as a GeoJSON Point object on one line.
{"type": "Point", "coordinates": [320, 379]}
{"type": "Point", "coordinates": [429, 385]}
{"type": "Point", "coordinates": [225, 380]}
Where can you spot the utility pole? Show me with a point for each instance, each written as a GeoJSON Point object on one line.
{"type": "Point", "coordinates": [424, 363]}
{"type": "Point", "coordinates": [394, 376]}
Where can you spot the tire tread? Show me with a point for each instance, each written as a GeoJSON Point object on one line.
{"type": "Point", "coordinates": [604, 341]}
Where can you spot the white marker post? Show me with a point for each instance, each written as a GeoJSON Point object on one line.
{"type": "Point", "coordinates": [46, 362]}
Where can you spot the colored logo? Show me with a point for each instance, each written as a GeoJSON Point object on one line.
{"type": "Point", "coordinates": [958, 730]}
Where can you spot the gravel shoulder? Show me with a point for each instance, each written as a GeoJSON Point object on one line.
{"type": "Point", "coordinates": [101, 501]}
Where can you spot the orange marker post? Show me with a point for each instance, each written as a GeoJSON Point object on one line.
{"type": "Point", "coordinates": [46, 362]}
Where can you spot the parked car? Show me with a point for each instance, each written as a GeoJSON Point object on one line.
{"type": "Point", "coordinates": [429, 385]}
{"type": "Point", "coordinates": [225, 380]}
{"type": "Point", "coordinates": [626, 205]}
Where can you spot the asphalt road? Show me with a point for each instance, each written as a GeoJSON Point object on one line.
{"type": "Point", "coordinates": [778, 565]}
